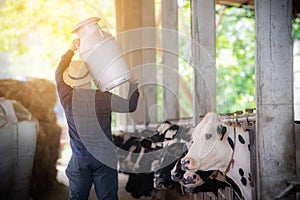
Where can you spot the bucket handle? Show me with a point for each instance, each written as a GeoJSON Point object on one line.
{"type": "Point", "coordinates": [101, 33]}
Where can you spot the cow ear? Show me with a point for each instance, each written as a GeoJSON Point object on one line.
{"type": "Point", "coordinates": [221, 130]}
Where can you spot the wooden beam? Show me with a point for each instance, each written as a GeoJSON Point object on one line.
{"type": "Point", "coordinates": [274, 92]}
{"type": "Point", "coordinates": [129, 22]}
{"type": "Point", "coordinates": [170, 58]}
{"type": "Point", "coordinates": [149, 82]}
{"type": "Point", "coordinates": [203, 57]}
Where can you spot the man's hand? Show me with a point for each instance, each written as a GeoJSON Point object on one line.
{"type": "Point", "coordinates": [75, 44]}
{"type": "Point", "coordinates": [134, 77]}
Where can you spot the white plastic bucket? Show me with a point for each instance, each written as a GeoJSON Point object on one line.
{"type": "Point", "coordinates": [102, 55]}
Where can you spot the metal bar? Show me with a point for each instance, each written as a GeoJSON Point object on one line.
{"type": "Point", "coordinates": [240, 119]}
{"type": "Point", "coordinates": [286, 191]}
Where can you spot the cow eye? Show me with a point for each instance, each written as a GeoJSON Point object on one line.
{"type": "Point", "coordinates": [207, 136]}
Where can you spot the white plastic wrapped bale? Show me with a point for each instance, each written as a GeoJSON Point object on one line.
{"type": "Point", "coordinates": [18, 138]}
{"type": "Point", "coordinates": [8, 124]}
{"type": "Point", "coordinates": [25, 148]}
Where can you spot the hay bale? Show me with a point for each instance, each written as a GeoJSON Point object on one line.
{"type": "Point", "coordinates": [39, 97]}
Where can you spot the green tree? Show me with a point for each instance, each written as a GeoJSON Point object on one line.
{"type": "Point", "coordinates": [235, 52]}
{"type": "Point", "coordinates": [46, 25]}
{"type": "Point", "coordinates": [40, 31]}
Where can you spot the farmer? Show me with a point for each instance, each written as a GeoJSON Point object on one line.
{"type": "Point", "coordinates": [88, 113]}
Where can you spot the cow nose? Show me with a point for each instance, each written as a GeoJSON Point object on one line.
{"type": "Point", "coordinates": [190, 179]}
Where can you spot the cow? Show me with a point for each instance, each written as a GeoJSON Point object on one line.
{"type": "Point", "coordinates": [142, 153]}
{"type": "Point", "coordinates": [203, 181]}
{"type": "Point", "coordinates": [218, 146]}
{"type": "Point", "coordinates": [199, 181]}
{"type": "Point", "coordinates": [168, 174]}
{"type": "Point", "coordinates": [175, 142]}
{"type": "Point", "coordinates": [131, 152]}
{"type": "Point", "coordinates": [162, 176]}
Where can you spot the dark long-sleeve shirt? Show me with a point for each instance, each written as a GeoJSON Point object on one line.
{"type": "Point", "coordinates": [88, 114]}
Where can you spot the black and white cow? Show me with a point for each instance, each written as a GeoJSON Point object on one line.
{"type": "Point", "coordinates": [131, 152]}
{"type": "Point", "coordinates": [199, 181]}
{"type": "Point", "coordinates": [162, 176]}
{"type": "Point", "coordinates": [217, 146]}
{"type": "Point", "coordinates": [160, 132]}
{"type": "Point", "coordinates": [170, 171]}
{"type": "Point", "coordinates": [140, 153]}
{"type": "Point", "coordinates": [175, 142]}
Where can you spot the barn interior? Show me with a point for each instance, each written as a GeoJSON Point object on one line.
{"type": "Point", "coordinates": [30, 107]}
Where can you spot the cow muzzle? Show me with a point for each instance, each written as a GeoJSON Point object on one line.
{"type": "Point", "coordinates": [192, 180]}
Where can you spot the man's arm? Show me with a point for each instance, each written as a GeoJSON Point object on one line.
{"type": "Point", "coordinates": [62, 88]}
{"type": "Point", "coordinates": [65, 61]}
{"type": "Point", "coordinates": [62, 66]}
{"type": "Point", "coordinates": [121, 105]}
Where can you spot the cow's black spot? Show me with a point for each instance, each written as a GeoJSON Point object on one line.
{"type": "Point", "coordinates": [249, 147]}
{"type": "Point", "coordinates": [230, 143]}
{"type": "Point", "coordinates": [241, 139]}
{"type": "Point", "coordinates": [244, 181]}
{"type": "Point", "coordinates": [249, 178]}
{"type": "Point", "coordinates": [241, 172]}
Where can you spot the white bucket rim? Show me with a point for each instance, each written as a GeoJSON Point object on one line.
{"type": "Point", "coordinates": [91, 19]}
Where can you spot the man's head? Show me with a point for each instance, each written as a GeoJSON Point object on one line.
{"type": "Point", "coordinates": [77, 74]}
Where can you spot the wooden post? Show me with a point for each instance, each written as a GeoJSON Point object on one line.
{"type": "Point", "coordinates": [203, 57]}
{"type": "Point", "coordinates": [129, 18]}
{"type": "Point", "coordinates": [149, 82]}
{"type": "Point", "coordinates": [274, 93]}
{"type": "Point", "coordinates": [170, 58]}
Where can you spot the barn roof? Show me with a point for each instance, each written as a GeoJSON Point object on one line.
{"type": "Point", "coordinates": [250, 3]}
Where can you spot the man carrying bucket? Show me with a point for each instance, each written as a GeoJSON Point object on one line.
{"type": "Point", "coordinates": [88, 114]}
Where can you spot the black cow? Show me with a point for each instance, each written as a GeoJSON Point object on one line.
{"type": "Point", "coordinates": [162, 177]}
{"type": "Point", "coordinates": [140, 184]}
{"type": "Point", "coordinates": [175, 145]}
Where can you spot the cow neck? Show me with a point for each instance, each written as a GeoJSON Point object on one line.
{"type": "Point", "coordinates": [232, 170]}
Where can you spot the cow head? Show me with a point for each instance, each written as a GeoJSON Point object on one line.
{"type": "Point", "coordinates": [203, 181]}
{"type": "Point", "coordinates": [171, 132]}
{"type": "Point", "coordinates": [192, 179]}
{"type": "Point", "coordinates": [209, 150]}
{"type": "Point", "coordinates": [159, 133]}
{"type": "Point", "coordinates": [172, 154]}
{"type": "Point", "coordinates": [162, 177]}
{"type": "Point", "coordinates": [177, 172]}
